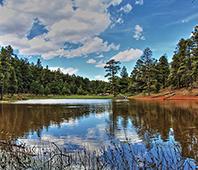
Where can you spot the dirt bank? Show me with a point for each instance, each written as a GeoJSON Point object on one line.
{"type": "Point", "coordinates": [181, 94]}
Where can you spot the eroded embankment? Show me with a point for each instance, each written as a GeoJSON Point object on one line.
{"type": "Point", "coordinates": [181, 94]}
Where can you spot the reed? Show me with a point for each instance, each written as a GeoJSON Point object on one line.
{"type": "Point", "coordinates": [156, 154]}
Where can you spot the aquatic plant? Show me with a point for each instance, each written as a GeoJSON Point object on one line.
{"type": "Point", "coordinates": [154, 154]}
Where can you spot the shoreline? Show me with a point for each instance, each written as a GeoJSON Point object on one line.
{"type": "Point", "coordinates": [150, 98]}
{"type": "Point", "coordinates": [164, 98]}
{"type": "Point", "coordinates": [21, 97]}
{"type": "Point", "coordinates": [168, 94]}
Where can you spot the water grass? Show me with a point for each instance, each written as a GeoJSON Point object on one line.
{"type": "Point", "coordinates": [155, 154]}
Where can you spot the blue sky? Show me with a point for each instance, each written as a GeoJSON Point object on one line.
{"type": "Point", "coordinates": [79, 36]}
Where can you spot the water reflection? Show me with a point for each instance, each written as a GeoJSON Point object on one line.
{"type": "Point", "coordinates": [157, 118]}
{"type": "Point", "coordinates": [91, 123]}
{"type": "Point", "coordinates": [23, 120]}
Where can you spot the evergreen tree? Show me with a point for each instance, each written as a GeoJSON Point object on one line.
{"type": "Point", "coordinates": [46, 91]}
{"type": "Point", "coordinates": [177, 68]}
{"type": "Point", "coordinates": [5, 58]}
{"type": "Point", "coordinates": [1, 82]}
{"type": "Point", "coordinates": [36, 88]}
{"type": "Point", "coordinates": [112, 67]}
{"type": "Point", "coordinates": [137, 78]}
{"type": "Point", "coordinates": [13, 82]}
{"type": "Point", "coordinates": [163, 71]}
{"type": "Point", "coordinates": [194, 53]}
{"type": "Point", "coordinates": [38, 64]}
{"type": "Point", "coordinates": [124, 80]}
{"type": "Point", "coordinates": [124, 73]}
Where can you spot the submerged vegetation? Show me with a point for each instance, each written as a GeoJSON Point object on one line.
{"type": "Point", "coordinates": [154, 154]}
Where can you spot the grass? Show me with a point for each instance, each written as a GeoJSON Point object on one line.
{"type": "Point", "coordinates": [8, 98]}
{"type": "Point", "coordinates": [70, 97]}
{"type": "Point", "coordinates": [118, 155]}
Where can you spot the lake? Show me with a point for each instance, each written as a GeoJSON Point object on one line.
{"type": "Point", "coordinates": [76, 123]}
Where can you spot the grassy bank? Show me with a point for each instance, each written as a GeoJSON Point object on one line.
{"type": "Point", "coordinates": [8, 98]}
{"type": "Point", "coordinates": [69, 97]}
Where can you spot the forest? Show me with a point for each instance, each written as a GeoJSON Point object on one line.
{"type": "Point", "coordinates": [18, 75]}
{"type": "Point", "coordinates": [151, 75]}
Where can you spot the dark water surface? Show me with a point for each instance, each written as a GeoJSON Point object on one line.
{"type": "Point", "coordinates": [76, 123]}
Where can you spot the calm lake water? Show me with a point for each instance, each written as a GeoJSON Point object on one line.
{"type": "Point", "coordinates": [76, 123]}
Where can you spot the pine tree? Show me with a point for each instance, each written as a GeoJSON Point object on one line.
{"type": "Point", "coordinates": [5, 58]}
{"type": "Point", "coordinates": [124, 80]}
{"type": "Point", "coordinates": [1, 82]}
{"type": "Point", "coordinates": [13, 82]}
{"type": "Point", "coordinates": [38, 64]}
{"type": "Point", "coordinates": [177, 67]}
{"type": "Point", "coordinates": [147, 68]}
{"type": "Point", "coordinates": [46, 91]}
{"type": "Point", "coordinates": [194, 53]}
{"type": "Point", "coordinates": [112, 67]}
{"type": "Point", "coordinates": [124, 73]}
{"type": "Point", "coordinates": [164, 71]}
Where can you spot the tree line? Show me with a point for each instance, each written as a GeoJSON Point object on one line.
{"type": "Point", "coordinates": [151, 75]}
{"type": "Point", "coordinates": [17, 75]}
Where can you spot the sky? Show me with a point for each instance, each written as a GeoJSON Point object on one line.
{"type": "Point", "coordinates": [80, 36]}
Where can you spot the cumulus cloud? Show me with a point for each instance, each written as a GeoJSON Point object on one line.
{"type": "Point", "coordinates": [101, 64]}
{"type": "Point", "coordinates": [69, 70]}
{"type": "Point", "coordinates": [91, 61]}
{"type": "Point", "coordinates": [63, 23]}
{"type": "Point", "coordinates": [127, 8]}
{"type": "Point", "coordinates": [98, 63]}
{"type": "Point", "coordinates": [139, 2]}
{"type": "Point", "coordinates": [128, 55]}
{"type": "Point", "coordinates": [100, 77]}
{"type": "Point", "coordinates": [138, 33]}
{"type": "Point", "coordinates": [92, 45]}
{"type": "Point", "coordinates": [114, 2]}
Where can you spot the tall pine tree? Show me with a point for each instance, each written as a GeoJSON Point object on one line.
{"type": "Point", "coordinates": [112, 67]}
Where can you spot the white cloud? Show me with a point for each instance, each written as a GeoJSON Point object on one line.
{"type": "Point", "coordinates": [101, 64]}
{"type": "Point", "coordinates": [127, 8]}
{"type": "Point", "coordinates": [92, 45]}
{"type": "Point", "coordinates": [100, 77]}
{"type": "Point", "coordinates": [63, 23]}
{"type": "Point", "coordinates": [115, 2]}
{"type": "Point", "coordinates": [100, 56]}
{"type": "Point", "coordinates": [128, 55]}
{"type": "Point", "coordinates": [190, 18]}
{"type": "Point", "coordinates": [139, 2]}
{"type": "Point", "coordinates": [69, 70]}
{"type": "Point", "coordinates": [138, 33]}
{"type": "Point", "coordinates": [91, 61]}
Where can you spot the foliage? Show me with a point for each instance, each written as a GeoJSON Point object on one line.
{"type": "Point", "coordinates": [150, 75]}
{"type": "Point", "coordinates": [158, 154]}
{"type": "Point", "coordinates": [124, 81]}
{"type": "Point", "coordinates": [112, 67]}
{"type": "Point", "coordinates": [144, 72]}
{"type": "Point", "coordinates": [20, 76]}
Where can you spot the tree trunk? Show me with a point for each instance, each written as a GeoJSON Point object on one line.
{"type": "Point", "coordinates": [1, 93]}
